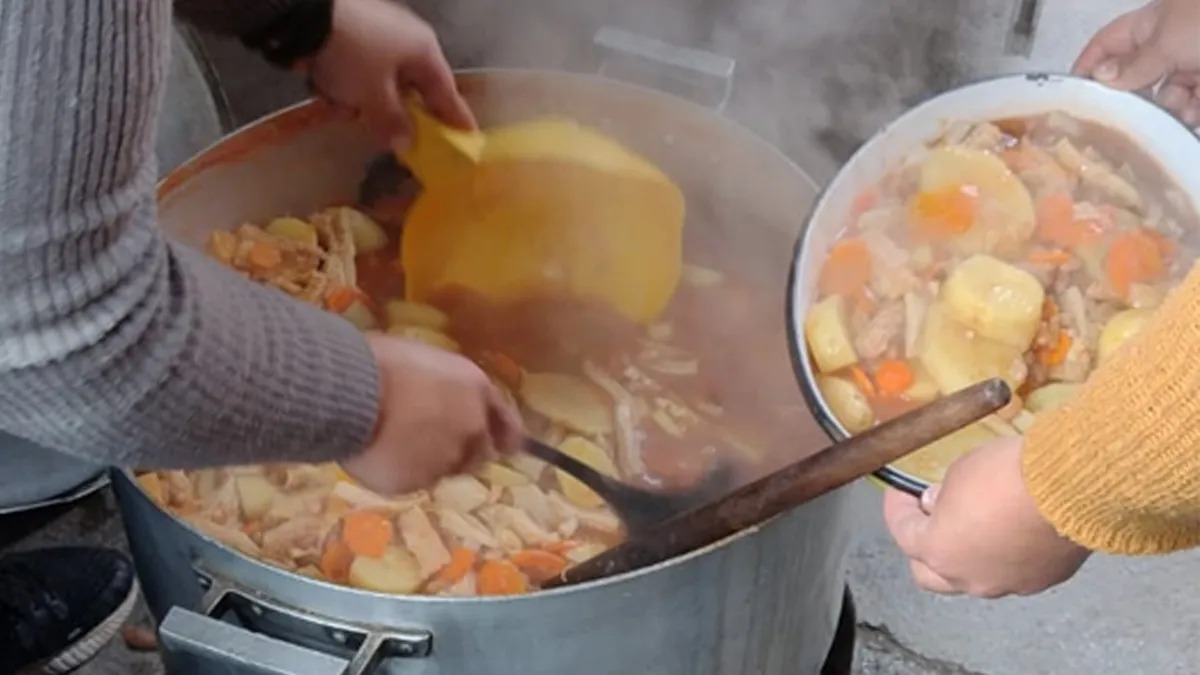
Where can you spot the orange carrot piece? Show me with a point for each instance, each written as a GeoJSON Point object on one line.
{"type": "Point", "coordinates": [863, 381]}
{"type": "Point", "coordinates": [560, 547]}
{"type": "Point", "coordinates": [336, 560]}
{"type": "Point", "coordinates": [1057, 225]}
{"type": "Point", "coordinates": [504, 367]}
{"type": "Point", "coordinates": [366, 533]}
{"type": "Point", "coordinates": [893, 377]}
{"type": "Point", "coordinates": [339, 299]}
{"type": "Point", "coordinates": [847, 268]}
{"type": "Point", "coordinates": [462, 561]}
{"type": "Point", "coordinates": [539, 565]}
{"type": "Point", "coordinates": [1054, 257]}
{"type": "Point", "coordinates": [264, 256]}
{"type": "Point", "coordinates": [863, 202]}
{"type": "Point", "coordinates": [500, 577]}
{"type": "Point", "coordinates": [1134, 258]}
{"type": "Point", "coordinates": [1058, 352]}
{"type": "Point", "coordinates": [944, 213]}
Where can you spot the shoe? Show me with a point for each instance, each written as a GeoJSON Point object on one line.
{"type": "Point", "coordinates": [60, 606]}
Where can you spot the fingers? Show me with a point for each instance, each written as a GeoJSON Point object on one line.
{"type": "Point", "coordinates": [433, 79]}
{"type": "Point", "coordinates": [931, 581]}
{"type": "Point", "coordinates": [504, 424]}
{"type": "Point", "coordinates": [1116, 41]}
{"type": "Point", "coordinates": [1178, 94]}
{"type": "Point", "coordinates": [905, 521]}
{"type": "Point", "coordinates": [1145, 69]}
{"type": "Point", "coordinates": [385, 111]}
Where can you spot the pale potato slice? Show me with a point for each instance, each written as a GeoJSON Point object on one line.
{"type": "Point", "coordinates": [827, 331]}
{"type": "Point", "coordinates": [360, 315]}
{"type": "Point", "coordinates": [153, 487]}
{"type": "Point", "coordinates": [956, 359]}
{"type": "Point", "coordinates": [923, 389]}
{"type": "Point", "coordinates": [594, 456]}
{"type": "Point", "coordinates": [499, 475]}
{"type": "Point", "coordinates": [405, 313]}
{"type": "Point", "coordinates": [848, 404]}
{"type": "Point", "coordinates": [428, 336]}
{"type": "Point", "coordinates": [1006, 215]}
{"type": "Point", "coordinates": [396, 571]}
{"type": "Point", "coordinates": [930, 462]}
{"type": "Point", "coordinates": [1050, 396]}
{"type": "Point", "coordinates": [368, 236]}
{"type": "Point", "coordinates": [256, 494]}
{"type": "Point", "coordinates": [1119, 329]}
{"type": "Point", "coordinates": [294, 229]}
{"type": "Point", "coordinates": [995, 299]}
{"type": "Point", "coordinates": [568, 400]}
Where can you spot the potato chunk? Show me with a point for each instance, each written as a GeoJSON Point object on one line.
{"type": "Point", "coordinates": [828, 334]}
{"type": "Point", "coordinates": [996, 300]}
{"type": "Point", "coordinates": [1119, 329]}
{"type": "Point", "coordinates": [847, 403]}
{"type": "Point", "coordinates": [956, 359]}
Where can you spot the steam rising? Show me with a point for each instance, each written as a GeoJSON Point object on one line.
{"type": "Point", "coordinates": [815, 77]}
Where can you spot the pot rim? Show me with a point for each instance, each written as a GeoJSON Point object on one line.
{"type": "Point", "coordinates": [311, 111]}
{"type": "Point", "coordinates": [797, 345]}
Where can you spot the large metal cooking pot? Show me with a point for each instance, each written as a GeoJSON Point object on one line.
{"type": "Point", "coordinates": [765, 601]}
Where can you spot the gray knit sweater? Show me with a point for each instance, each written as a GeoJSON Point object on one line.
{"type": "Point", "coordinates": [115, 344]}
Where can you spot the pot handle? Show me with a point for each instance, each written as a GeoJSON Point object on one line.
{"type": "Point", "coordinates": [204, 643]}
{"type": "Point", "coordinates": [703, 77]}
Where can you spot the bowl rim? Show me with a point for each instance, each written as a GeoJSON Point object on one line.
{"type": "Point", "coordinates": [797, 345]}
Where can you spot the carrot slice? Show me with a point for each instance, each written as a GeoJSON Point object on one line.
{"type": "Point", "coordinates": [462, 561]}
{"type": "Point", "coordinates": [264, 256]}
{"type": "Point", "coordinates": [1057, 225]}
{"type": "Point", "coordinates": [863, 202]}
{"type": "Point", "coordinates": [1134, 258]}
{"type": "Point", "coordinates": [339, 299]}
{"type": "Point", "coordinates": [504, 367]}
{"type": "Point", "coordinates": [893, 377]}
{"type": "Point", "coordinates": [366, 533]}
{"type": "Point", "coordinates": [863, 381]}
{"type": "Point", "coordinates": [944, 213]}
{"type": "Point", "coordinates": [1058, 352]}
{"type": "Point", "coordinates": [1054, 257]}
{"type": "Point", "coordinates": [336, 560]}
{"type": "Point", "coordinates": [560, 547]}
{"type": "Point", "coordinates": [539, 565]}
{"type": "Point", "coordinates": [501, 577]}
{"type": "Point", "coordinates": [847, 268]}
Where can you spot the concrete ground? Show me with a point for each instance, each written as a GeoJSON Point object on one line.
{"type": "Point", "coordinates": [838, 70]}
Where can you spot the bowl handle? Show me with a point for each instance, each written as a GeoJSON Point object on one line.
{"type": "Point", "coordinates": [699, 76]}
{"type": "Point", "coordinates": [206, 642]}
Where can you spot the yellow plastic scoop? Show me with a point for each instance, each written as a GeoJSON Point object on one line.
{"type": "Point", "coordinates": [545, 206]}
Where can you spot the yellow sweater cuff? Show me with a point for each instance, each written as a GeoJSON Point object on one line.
{"type": "Point", "coordinates": [1118, 468]}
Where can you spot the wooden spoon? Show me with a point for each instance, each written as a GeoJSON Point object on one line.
{"type": "Point", "coordinates": [807, 479]}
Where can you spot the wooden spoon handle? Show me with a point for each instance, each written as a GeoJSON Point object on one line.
{"type": "Point", "coordinates": [796, 484]}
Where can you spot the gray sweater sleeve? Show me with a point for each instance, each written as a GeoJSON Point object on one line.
{"type": "Point", "coordinates": [116, 345]}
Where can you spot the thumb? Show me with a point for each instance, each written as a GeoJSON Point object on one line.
{"type": "Point", "coordinates": [1145, 69]}
{"type": "Point", "coordinates": [905, 521]}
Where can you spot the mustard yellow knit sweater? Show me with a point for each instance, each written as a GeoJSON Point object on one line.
{"type": "Point", "coordinates": [1118, 468]}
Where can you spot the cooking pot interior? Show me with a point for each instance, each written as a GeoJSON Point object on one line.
{"type": "Point", "coordinates": [745, 200]}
